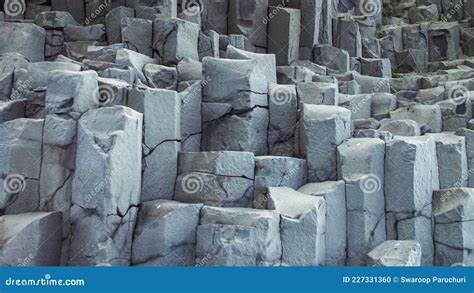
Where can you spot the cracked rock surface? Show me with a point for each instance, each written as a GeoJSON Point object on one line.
{"type": "Point", "coordinates": [236, 133]}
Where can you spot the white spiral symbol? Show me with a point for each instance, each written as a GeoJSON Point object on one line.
{"type": "Point", "coordinates": [369, 7]}
{"type": "Point", "coordinates": [370, 183]}
{"type": "Point", "coordinates": [14, 7]}
{"type": "Point", "coordinates": [14, 183]}
{"type": "Point", "coordinates": [280, 97]}
{"type": "Point", "coordinates": [192, 183]}
{"type": "Point", "coordinates": [192, 7]}
{"type": "Point", "coordinates": [458, 94]}
{"type": "Point", "coordinates": [106, 95]}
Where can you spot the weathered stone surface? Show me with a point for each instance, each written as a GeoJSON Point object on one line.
{"type": "Point", "coordinates": [134, 60]}
{"type": "Point", "coordinates": [161, 77]}
{"type": "Point", "coordinates": [331, 57]}
{"type": "Point", "coordinates": [266, 61]}
{"type": "Point", "coordinates": [240, 132]}
{"type": "Point", "coordinates": [396, 253]}
{"type": "Point", "coordinates": [113, 23]}
{"type": "Point", "coordinates": [30, 239]}
{"type": "Point", "coordinates": [20, 162]}
{"type": "Point", "coordinates": [284, 35]}
{"type": "Point", "coordinates": [191, 117]}
{"type": "Point", "coordinates": [425, 115]}
{"type": "Point", "coordinates": [137, 35]}
{"type": "Point", "coordinates": [70, 91]}
{"type": "Point", "coordinates": [411, 160]}
{"type": "Point", "coordinates": [224, 179]}
{"type": "Point", "coordinates": [360, 163]}
{"type": "Point", "coordinates": [401, 127]}
{"type": "Point", "coordinates": [237, 237]}
{"type": "Point", "coordinates": [334, 194]}
{"type": "Point", "coordinates": [273, 171]}
{"type": "Point", "coordinates": [282, 107]}
{"type": "Point", "coordinates": [247, 18]}
{"type": "Point", "coordinates": [108, 142]}
{"type": "Point", "coordinates": [453, 216]}
{"type": "Point", "coordinates": [165, 234]}
{"type": "Point", "coordinates": [74, 33]}
{"type": "Point", "coordinates": [452, 160]}
{"type": "Point", "coordinates": [175, 39]}
{"type": "Point", "coordinates": [25, 38]}
{"type": "Point", "coordinates": [161, 111]}
{"type": "Point", "coordinates": [322, 129]}
{"type": "Point", "coordinates": [241, 83]}
{"type": "Point", "coordinates": [302, 227]}
{"type": "Point", "coordinates": [318, 93]}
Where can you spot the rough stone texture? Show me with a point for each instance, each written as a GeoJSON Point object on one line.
{"type": "Point", "coordinates": [223, 179]}
{"type": "Point", "coordinates": [273, 171]}
{"type": "Point", "coordinates": [334, 193]}
{"type": "Point", "coordinates": [411, 160]}
{"type": "Point", "coordinates": [25, 38]}
{"type": "Point", "coordinates": [282, 108]}
{"type": "Point", "coordinates": [238, 237]}
{"type": "Point", "coordinates": [322, 129]}
{"type": "Point", "coordinates": [109, 140]}
{"type": "Point", "coordinates": [236, 97]}
{"type": "Point", "coordinates": [30, 239]}
{"type": "Point", "coordinates": [453, 240]}
{"type": "Point", "coordinates": [360, 163]}
{"type": "Point", "coordinates": [175, 39]}
{"type": "Point", "coordinates": [284, 35]}
{"type": "Point", "coordinates": [302, 227]}
{"type": "Point", "coordinates": [452, 160]}
{"type": "Point", "coordinates": [171, 227]}
{"type": "Point", "coordinates": [396, 253]}
{"type": "Point", "coordinates": [20, 162]}
{"type": "Point", "coordinates": [425, 115]}
{"type": "Point", "coordinates": [161, 140]}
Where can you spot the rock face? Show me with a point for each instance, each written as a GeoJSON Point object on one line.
{"type": "Point", "coordinates": [161, 139]}
{"type": "Point", "coordinates": [302, 227]}
{"type": "Point", "coordinates": [411, 160]}
{"type": "Point", "coordinates": [236, 132]}
{"type": "Point", "coordinates": [323, 128]}
{"type": "Point", "coordinates": [223, 179]}
{"type": "Point", "coordinates": [104, 205]}
{"type": "Point", "coordinates": [237, 237]}
{"type": "Point", "coordinates": [393, 253]}
{"type": "Point", "coordinates": [334, 193]}
{"type": "Point", "coordinates": [30, 239]}
{"type": "Point", "coordinates": [171, 226]}
{"type": "Point", "coordinates": [361, 166]}
{"type": "Point", "coordinates": [452, 211]}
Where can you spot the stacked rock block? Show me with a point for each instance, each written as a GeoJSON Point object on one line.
{"type": "Point", "coordinates": [232, 132]}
